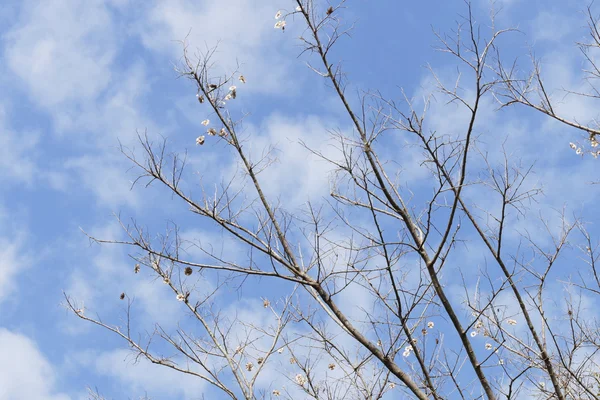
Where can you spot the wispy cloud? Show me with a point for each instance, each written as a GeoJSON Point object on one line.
{"type": "Point", "coordinates": [24, 371]}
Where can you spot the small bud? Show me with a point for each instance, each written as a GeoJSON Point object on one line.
{"type": "Point", "coordinates": [122, 296]}
{"type": "Point", "coordinates": [330, 10]}
{"type": "Point", "coordinates": [200, 98]}
{"type": "Point", "coordinates": [188, 271]}
{"type": "Point", "coordinates": [136, 269]}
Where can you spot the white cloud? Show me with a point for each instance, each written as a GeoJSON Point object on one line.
{"type": "Point", "coordinates": [17, 152]}
{"type": "Point", "coordinates": [141, 377]}
{"type": "Point", "coordinates": [243, 30]}
{"type": "Point", "coordinates": [552, 26]}
{"type": "Point", "coordinates": [297, 175]}
{"type": "Point", "coordinates": [64, 53]}
{"type": "Point", "coordinates": [24, 371]}
{"type": "Point", "coordinates": [104, 176]}
{"type": "Point", "coordinates": [14, 258]}
{"type": "Point", "coordinates": [62, 49]}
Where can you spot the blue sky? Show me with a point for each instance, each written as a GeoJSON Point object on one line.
{"type": "Point", "coordinates": [78, 77]}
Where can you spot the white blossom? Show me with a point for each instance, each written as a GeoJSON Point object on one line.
{"type": "Point", "coordinates": [280, 350]}
{"type": "Point", "coordinates": [474, 333]}
{"type": "Point", "coordinates": [242, 79]}
{"type": "Point", "coordinates": [276, 392]}
{"type": "Point", "coordinates": [200, 140]}
{"type": "Point", "coordinates": [430, 324]}
{"type": "Point", "coordinates": [181, 297]}
{"type": "Point", "coordinates": [488, 346]}
{"type": "Point", "coordinates": [280, 25]}
{"type": "Point", "coordinates": [573, 146]}
{"type": "Point", "coordinates": [299, 9]}
{"type": "Point", "coordinates": [512, 322]}
{"type": "Point", "coordinates": [300, 379]}
{"type": "Point", "coordinates": [205, 122]}
{"type": "Point", "coordinates": [211, 131]}
{"type": "Point", "coordinates": [228, 97]}
{"type": "Point", "coordinates": [278, 15]}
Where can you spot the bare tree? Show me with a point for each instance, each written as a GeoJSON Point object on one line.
{"type": "Point", "coordinates": [378, 236]}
